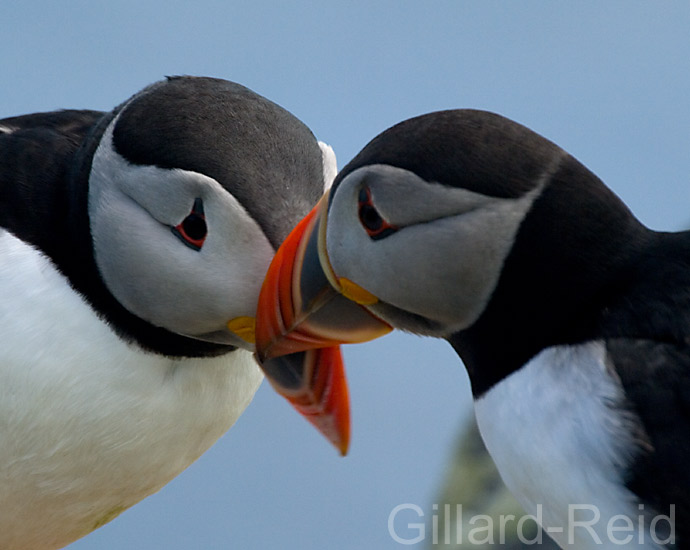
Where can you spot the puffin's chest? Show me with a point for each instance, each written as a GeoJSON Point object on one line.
{"type": "Point", "coordinates": [90, 425]}
{"type": "Point", "coordinates": [562, 443]}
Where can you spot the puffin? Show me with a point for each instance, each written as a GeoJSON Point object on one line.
{"type": "Point", "coordinates": [133, 244]}
{"type": "Point", "coordinates": [570, 316]}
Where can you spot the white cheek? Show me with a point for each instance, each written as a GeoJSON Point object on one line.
{"type": "Point", "coordinates": [426, 269]}
{"type": "Point", "coordinates": [330, 165]}
{"type": "Point", "coordinates": [148, 270]}
{"type": "Point", "coordinates": [444, 270]}
{"type": "Point", "coordinates": [159, 279]}
{"type": "Point", "coordinates": [236, 254]}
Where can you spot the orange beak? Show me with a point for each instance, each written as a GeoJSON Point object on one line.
{"type": "Point", "coordinates": [305, 311]}
{"type": "Point", "coordinates": [314, 383]}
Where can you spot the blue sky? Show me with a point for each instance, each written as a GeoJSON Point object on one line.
{"type": "Point", "coordinates": [607, 81]}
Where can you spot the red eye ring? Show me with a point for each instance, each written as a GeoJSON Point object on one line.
{"type": "Point", "coordinates": [192, 230]}
{"type": "Point", "coordinates": [374, 224]}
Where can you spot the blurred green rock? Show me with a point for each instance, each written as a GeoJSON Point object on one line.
{"type": "Point", "coordinates": [474, 500]}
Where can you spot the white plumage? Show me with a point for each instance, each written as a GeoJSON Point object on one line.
{"type": "Point", "coordinates": [110, 423]}
{"type": "Point", "coordinates": [132, 249]}
{"type": "Point", "coordinates": [574, 435]}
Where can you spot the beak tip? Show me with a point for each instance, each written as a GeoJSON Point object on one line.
{"type": "Point", "coordinates": [314, 383]}
{"type": "Point", "coordinates": [344, 447]}
{"type": "Point", "coordinates": [334, 430]}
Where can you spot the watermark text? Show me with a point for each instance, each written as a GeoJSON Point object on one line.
{"type": "Point", "coordinates": [449, 524]}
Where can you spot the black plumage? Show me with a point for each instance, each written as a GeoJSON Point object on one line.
{"type": "Point", "coordinates": [581, 268]}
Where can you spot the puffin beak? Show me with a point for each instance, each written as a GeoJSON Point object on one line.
{"type": "Point", "coordinates": [304, 307]}
{"type": "Point", "coordinates": [314, 383]}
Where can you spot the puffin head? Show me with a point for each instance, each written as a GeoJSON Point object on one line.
{"type": "Point", "coordinates": [436, 225]}
{"type": "Point", "coordinates": [180, 198]}
{"type": "Point", "coordinates": [193, 184]}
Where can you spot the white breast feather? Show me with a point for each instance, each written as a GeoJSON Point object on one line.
{"type": "Point", "coordinates": [558, 437]}
{"type": "Point", "coordinates": [88, 424]}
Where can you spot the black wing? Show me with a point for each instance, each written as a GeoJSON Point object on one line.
{"type": "Point", "coordinates": [36, 155]}
{"type": "Point", "coordinates": [656, 379]}
{"type": "Point", "coordinates": [73, 123]}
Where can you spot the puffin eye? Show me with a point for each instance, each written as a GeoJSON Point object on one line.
{"type": "Point", "coordinates": [375, 226]}
{"type": "Point", "coordinates": [192, 230]}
